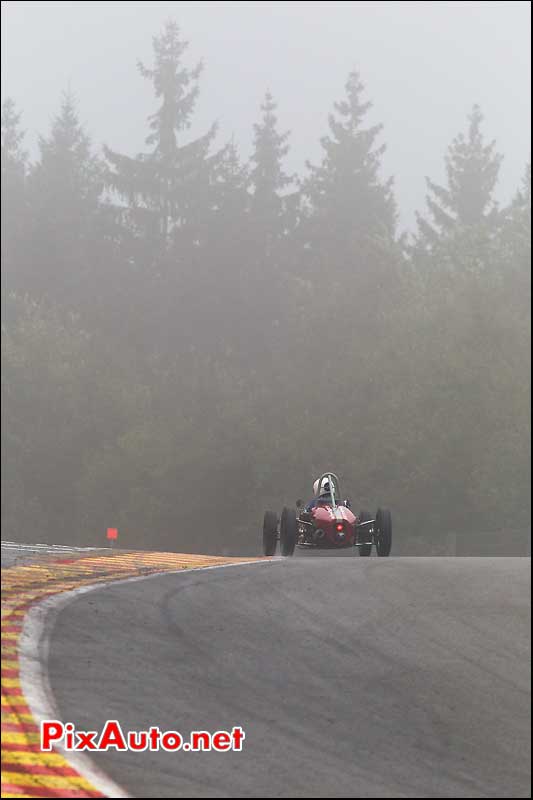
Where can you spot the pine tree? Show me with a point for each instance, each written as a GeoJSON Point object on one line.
{"type": "Point", "coordinates": [272, 220]}
{"type": "Point", "coordinates": [220, 291]}
{"type": "Point", "coordinates": [65, 186]}
{"type": "Point", "coordinates": [14, 199]}
{"type": "Point", "coordinates": [348, 250]}
{"type": "Point", "coordinates": [14, 157]}
{"type": "Point", "coordinates": [472, 169]}
{"type": "Point", "coordinates": [515, 251]}
{"type": "Point", "coordinates": [472, 354]}
{"type": "Point", "coordinates": [519, 214]}
{"type": "Point", "coordinates": [168, 188]}
{"type": "Point", "coordinates": [232, 204]}
{"type": "Point", "coordinates": [168, 201]}
{"type": "Point", "coordinates": [68, 176]}
{"type": "Point", "coordinates": [267, 176]}
{"type": "Point", "coordinates": [349, 204]}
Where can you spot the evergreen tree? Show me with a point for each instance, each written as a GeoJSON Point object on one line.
{"type": "Point", "coordinates": [219, 290]}
{"type": "Point", "coordinates": [348, 252]}
{"type": "Point", "coordinates": [232, 204]}
{"type": "Point", "coordinates": [466, 202]}
{"type": "Point", "coordinates": [68, 176]}
{"type": "Point", "coordinates": [272, 219]}
{"type": "Point", "coordinates": [168, 188]}
{"type": "Point", "coordinates": [515, 252]}
{"type": "Point", "coordinates": [14, 157]}
{"type": "Point", "coordinates": [168, 198]}
{"type": "Point", "coordinates": [518, 227]}
{"type": "Point", "coordinates": [347, 260]}
{"type": "Point", "coordinates": [267, 176]}
{"type": "Point", "coordinates": [66, 255]}
{"type": "Point", "coordinates": [468, 338]}
{"type": "Point", "coordinates": [14, 200]}
{"type": "Point", "coordinates": [350, 207]}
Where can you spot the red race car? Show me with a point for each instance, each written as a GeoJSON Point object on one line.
{"type": "Point", "coordinates": [329, 524]}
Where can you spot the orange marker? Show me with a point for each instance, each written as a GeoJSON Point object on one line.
{"type": "Point", "coordinates": [112, 535]}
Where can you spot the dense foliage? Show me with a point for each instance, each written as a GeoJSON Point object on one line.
{"type": "Point", "coordinates": [188, 339]}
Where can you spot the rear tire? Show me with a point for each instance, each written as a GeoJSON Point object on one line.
{"type": "Point", "coordinates": [288, 531]}
{"type": "Point", "coordinates": [270, 533]}
{"type": "Point", "coordinates": [363, 534]}
{"type": "Point", "coordinates": [383, 532]}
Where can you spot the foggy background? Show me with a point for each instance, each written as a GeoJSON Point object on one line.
{"type": "Point", "coordinates": [424, 63]}
{"type": "Point", "coordinates": [197, 320]}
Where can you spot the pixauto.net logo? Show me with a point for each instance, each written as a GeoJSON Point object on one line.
{"type": "Point", "coordinates": [112, 737]}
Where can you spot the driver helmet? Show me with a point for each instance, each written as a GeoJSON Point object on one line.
{"type": "Point", "coordinates": [318, 490]}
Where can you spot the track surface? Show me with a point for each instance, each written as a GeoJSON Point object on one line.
{"type": "Point", "coordinates": [351, 677]}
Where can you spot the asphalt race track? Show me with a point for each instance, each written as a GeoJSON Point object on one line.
{"type": "Point", "coordinates": [399, 677]}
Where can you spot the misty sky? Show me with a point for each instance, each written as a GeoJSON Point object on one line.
{"type": "Point", "coordinates": [424, 65]}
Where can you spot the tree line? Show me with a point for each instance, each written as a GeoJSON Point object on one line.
{"type": "Point", "coordinates": [188, 338]}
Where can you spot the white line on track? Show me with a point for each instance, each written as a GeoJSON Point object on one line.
{"type": "Point", "coordinates": [52, 548]}
{"type": "Point", "coordinates": [34, 645]}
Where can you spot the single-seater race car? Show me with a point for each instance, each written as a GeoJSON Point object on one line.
{"type": "Point", "coordinates": [329, 524]}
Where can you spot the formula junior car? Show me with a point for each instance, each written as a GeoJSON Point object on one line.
{"type": "Point", "coordinates": [329, 524]}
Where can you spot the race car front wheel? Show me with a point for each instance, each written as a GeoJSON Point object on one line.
{"type": "Point", "coordinates": [288, 531]}
{"type": "Point", "coordinates": [383, 532]}
{"type": "Point", "coordinates": [270, 533]}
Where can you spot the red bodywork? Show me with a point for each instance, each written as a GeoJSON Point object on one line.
{"type": "Point", "coordinates": [333, 527]}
